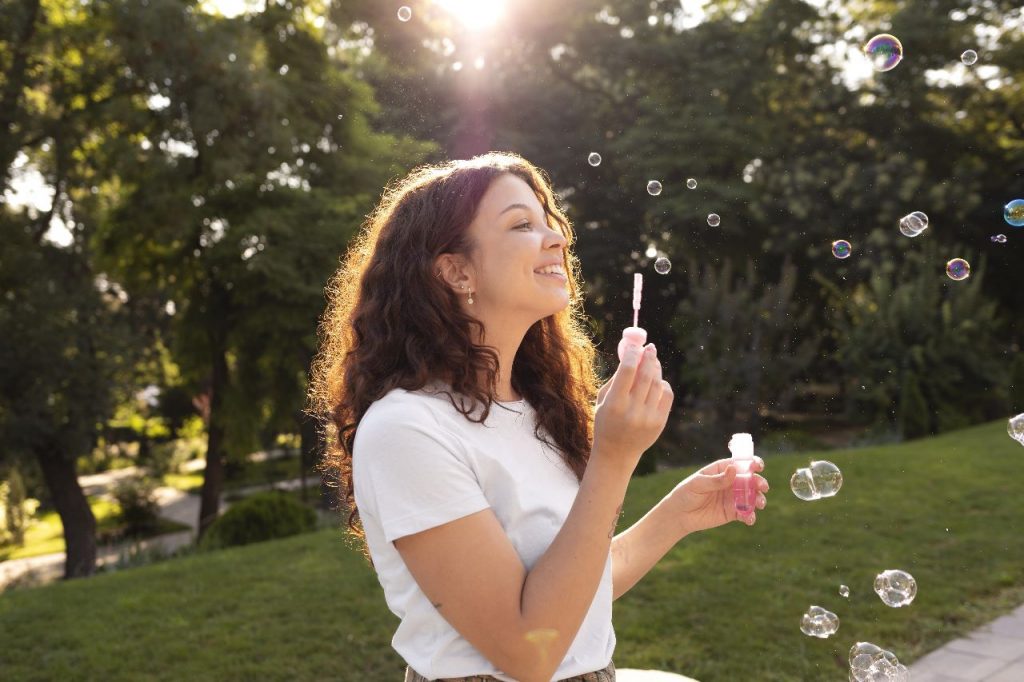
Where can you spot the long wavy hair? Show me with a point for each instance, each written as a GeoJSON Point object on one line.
{"type": "Point", "coordinates": [390, 322]}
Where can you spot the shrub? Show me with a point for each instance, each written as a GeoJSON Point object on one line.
{"type": "Point", "coordinates": [263, 516]}
{"type": "Point", "coordinates": [16, 509]}
{"type": "Point", "coordinates": [139, 508]}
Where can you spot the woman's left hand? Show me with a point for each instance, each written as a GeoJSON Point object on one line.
{"type": "Point", "coordinates": [705, 499]}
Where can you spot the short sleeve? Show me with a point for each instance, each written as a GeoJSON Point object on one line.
{"type": "Point", "coordinates": [413, 474]}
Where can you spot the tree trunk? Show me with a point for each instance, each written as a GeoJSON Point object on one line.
{"type": "Point", "coordinates": [75, 514]}
{"type": "Point", "coordinates": [213, 477]}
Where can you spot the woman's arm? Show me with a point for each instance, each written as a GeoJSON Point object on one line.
{"type": "Point", "coordinates": [637, 549]}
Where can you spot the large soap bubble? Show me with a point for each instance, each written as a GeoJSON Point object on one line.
{"type": "Point", "coordinates": [819, 622]}
{"type": "Point", "coordinates": [913, 224]}
{"type": "Point", "coordinates": [819, 479]}
{"type": "Point", "coordinates": [896, 588]}
{"type": "Point", "coordinates": [872, 663]}
{"type": "Point", "coordinates": [885, 52]}
{"type": "Point", "coordinates": [1015, 427]}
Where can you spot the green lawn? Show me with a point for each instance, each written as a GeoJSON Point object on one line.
{"type": "Point", "coordinates": [723, 605]}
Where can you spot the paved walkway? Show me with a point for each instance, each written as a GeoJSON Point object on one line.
{"type": "Point", "coordinates": [993, 653]}
{"type": "Point", "coordinates": [175, 505]}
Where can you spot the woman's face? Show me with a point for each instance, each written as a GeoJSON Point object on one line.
{"type": "Point", "coordinates": [514, 241]}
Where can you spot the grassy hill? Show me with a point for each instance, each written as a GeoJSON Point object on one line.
{"type": "Point", "coordinates": [723, 605]}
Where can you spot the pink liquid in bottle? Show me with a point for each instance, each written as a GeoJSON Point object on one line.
{"type": "Point", "coordinates": [744, 490]}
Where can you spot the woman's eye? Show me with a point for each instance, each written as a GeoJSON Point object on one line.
{"type": "Point", "coordinates": [523, 225]}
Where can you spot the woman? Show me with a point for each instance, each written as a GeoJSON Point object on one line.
{"type": "Point", "coordinates": [487, 472]}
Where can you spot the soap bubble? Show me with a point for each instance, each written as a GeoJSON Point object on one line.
{"type": "Point", "coordinates": [998, 238]}
{"type": "Point", "coordinates": [969, 57]}
{"type": "Point", "coordinates": [844, 591]}
{"type": "Point", "coordinates": [885, 52]}
{"type": "Point", "coordinates": [871, 663]}
{"type": "Point", "coordinates": [714, 220]}
{"type": "Point", "coordinates": [662, 265]}
{"type": "Point", "coordinates": [1013, 212]}
{"type": "Point", "coordinates": [654, 188]}
{"type": "Point", "coordinates": [1015, 428]}
{"type": "Point", "coordinates": [958, 269]}
{"type": "Point", "coordinates": [691, 184]}
{"type": "Point", "coordinates": [594, 159]}
{"type": "Point", "coordinates": [404, 13]}
{"type": "Point", "coordinates": [841, 248]}
{"type": "Point", "coordinates": [913, 224]}
{"type": "Point", "coordinates": [896, 588]}
{"type": "Point", "coordinates": [818, 622]}
{"type": "Point", "coordinates": [819, 479]}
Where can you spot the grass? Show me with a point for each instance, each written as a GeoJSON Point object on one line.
{"type": "Point", "coordinates": [46, 534]}
{"type": "Point", "coordinates": [722, 605]}
{"type": "Point", "coordinates": [250, 474]}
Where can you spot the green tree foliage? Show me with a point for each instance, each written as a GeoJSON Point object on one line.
{"type": "Point", "coordinates": [745, 345]}
{"type": "Point", "coordinates": [911, 330]}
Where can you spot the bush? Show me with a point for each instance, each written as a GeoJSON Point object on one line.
{"type": "Point", "coordinates": [263, 516]}
{"type": "Point", "coordinates": [139, 508]}
{"type": "Point", "coordinates": [16, 509]}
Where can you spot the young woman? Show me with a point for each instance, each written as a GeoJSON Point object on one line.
{"type": "Point", "coordinates": [487, 472]}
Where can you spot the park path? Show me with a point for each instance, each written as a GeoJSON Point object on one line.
{"type": "Point", "coordinates": [993, 653]}
{"type": "Point", "coordinates": [174, 504]}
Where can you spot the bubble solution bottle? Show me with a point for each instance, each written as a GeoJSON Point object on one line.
{"type": "Point", "coordinates": [744, 490]}
{"type": "Point", "coordinates": [634, 335]}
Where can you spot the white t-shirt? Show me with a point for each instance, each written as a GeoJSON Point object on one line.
{"type": "Point", "coordinates": [419, 463]}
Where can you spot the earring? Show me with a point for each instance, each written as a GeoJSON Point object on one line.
{"type": "Point", "coordinates": [471, 297]}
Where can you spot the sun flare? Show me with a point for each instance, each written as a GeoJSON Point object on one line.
{"type": "Point", "coordinates": [475, 14]}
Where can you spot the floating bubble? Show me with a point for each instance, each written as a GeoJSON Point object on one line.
{"type": "Point", "coordinates": [404, 13]}
{"type": "Point", "coordinates": [844, 591]}
{"type": "Point", "coordinates": [1013, 212]}
{"type": "Point", "coordinates": [871, 663]}
{"type": "Point", "coordinates": [819, 622]}
{"type": "Point", "coordinates": [819, 479]}
{"type": "Point", "coordinates": [841, 248]}
{"type": "Point", "coordinates": [913, 224]}
{"type": "Point", "coordinates": [896, 588]}
{"type": "Point", "coordinates": [662, 265]}
{"type": "Point", "coordinates": [691, 184]}
{"type": "Point", "coordinates": [1015, 427]}
{"type": "Point", "coordinates": [969, 57]}
{"type": "Point", "coordinates": [958, 269]}
{"type": "Point", "coordinates": [654, 188]}
{"type": "Point", "coordinates": [885, 52]}
{"type": "Point", "coordinates": [714, 220]}
{"type": "Point", "coordinates": [998, 238]}
{"type": "Point", "coordinates": [594, 159]}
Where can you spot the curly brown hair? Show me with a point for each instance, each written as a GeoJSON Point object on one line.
{"type": "Point", "coordinates": [391, 323]}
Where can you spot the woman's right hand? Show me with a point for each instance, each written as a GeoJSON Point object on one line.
{"type": "Point", "coordinates": [632, 408]}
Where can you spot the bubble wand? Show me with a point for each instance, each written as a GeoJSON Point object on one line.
{"type": "Point", "coordinates": [634, 335]}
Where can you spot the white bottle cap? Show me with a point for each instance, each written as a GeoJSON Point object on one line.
{"type": "Point", "coordinates": [742, 446]}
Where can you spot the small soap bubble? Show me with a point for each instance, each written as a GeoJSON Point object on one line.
{"type": "Point", "coordinates": [662, 265]}
{"type": "Point", "coordinates": [871, 663]}
{"type": "Point", "coordinates": [913, 224]}
{"type": "Point", "coordinates": [594, 159]}
{"type": "Point", "coordinates": [1015, 427]}
{"type": "Point", "coordinates": [969, 57]}
{"type": "Point", "coordinates": [691, 184]}
{"type": "Point", "coordinates": [714, 220]}
{"type": "Point", "coordinates": [654, 188]}
{"type": "Point", "coordinates": [1013, 213]}
{"type": "Point", "coordinates": [819, 479]}
{"type": "Point", "coordinates": [819, 622]}
{"type": "Point", "coordinates": [841, 248]}
{"type": "Point", "coordinates": [404, 13]}
{"type": "Point", "coordinates": [998, 238]}
{"type": "Point", "coordinates": [958, 269]}
{"type": "Point", "coordinates": [896, 588]}
{"type": "Point", "coordinates": [885, 52]}
{"type": "Point", "coordinates": [844, 591]}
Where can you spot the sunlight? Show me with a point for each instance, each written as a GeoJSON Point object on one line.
{"type": "Point", "coordinates": [475, 14]}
